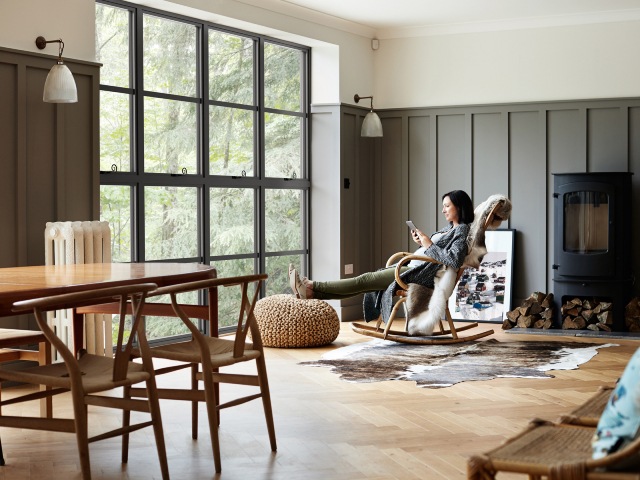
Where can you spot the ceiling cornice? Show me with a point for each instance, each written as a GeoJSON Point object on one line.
{"type": "Point", "coordinates": [511, 24]}
{"type": "Point", "coordinates": [287, 8]}
{"type": "Point", "coordinates": [314, 16]}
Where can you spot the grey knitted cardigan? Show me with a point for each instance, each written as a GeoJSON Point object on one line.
{"type": "Point", "coordinates": [451, 249]}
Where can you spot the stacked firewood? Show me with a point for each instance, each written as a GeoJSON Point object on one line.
{"type": "Point", "coordinates": [632, 315]}
{"type": "Point", "coordinates": [535, 312]}
{"type": "Point", "coordinates": [580, 313]}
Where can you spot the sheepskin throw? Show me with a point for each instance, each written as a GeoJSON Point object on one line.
{"type": "Point", "coordinates": [287, 322]}
{"type": "Point", "coordinates": [426, 306]}
{"type": "Point", "coordinates": [476, 238]}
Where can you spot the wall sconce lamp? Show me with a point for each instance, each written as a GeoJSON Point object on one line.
{"type": "Point", "coordinates": [60, 87]}
{"type": "Point", "coordinates": [371, 126]}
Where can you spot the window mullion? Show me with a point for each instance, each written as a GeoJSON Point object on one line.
{"type": "Point", "coordinates": [137, 220]}
{"type": "Point", "coordinates": [203, 138]}
{"type": "Point", "coordinates": [260, 156]}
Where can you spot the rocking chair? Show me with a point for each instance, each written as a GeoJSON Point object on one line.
{"type": "Point", "coordinates": [499, 212]}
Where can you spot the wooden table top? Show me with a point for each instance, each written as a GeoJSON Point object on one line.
{"type": "Point", "coordinates": [21, 283]}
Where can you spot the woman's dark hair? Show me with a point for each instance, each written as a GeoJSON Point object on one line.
{"type": "Point", "coordinates": [463, 204]}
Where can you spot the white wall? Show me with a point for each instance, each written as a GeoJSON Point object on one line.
{"type": "Point", "coordinates": [22, 21]}
{"type": "Point", "coordinates": [554, 63]}
{"type": "Point", "coordinates": [342, 62]}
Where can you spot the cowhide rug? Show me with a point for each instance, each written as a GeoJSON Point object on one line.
{"type": "Point", "coordinates": [438, 366]}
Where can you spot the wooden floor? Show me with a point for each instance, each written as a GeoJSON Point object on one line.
{"type": "Point", "coordinates": [326, 428]}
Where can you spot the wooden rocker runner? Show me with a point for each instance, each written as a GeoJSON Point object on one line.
{"type": "Point", "coordinates": [498, 212]}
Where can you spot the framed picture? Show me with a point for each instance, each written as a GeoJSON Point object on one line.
{"type": "Point", "coordinates": [484, 294]}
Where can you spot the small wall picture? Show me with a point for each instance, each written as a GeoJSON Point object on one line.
{"type": "Point", "coordinates": [484, 294]}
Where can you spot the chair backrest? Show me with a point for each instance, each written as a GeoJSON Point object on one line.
{"type": "Point", "coordinates": [246, 319]}
{"type": "Point", "coordinates": [134, 294]}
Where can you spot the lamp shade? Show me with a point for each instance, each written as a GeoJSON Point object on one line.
{"type": "Point", "coordinates": [60, 87]}
{"type": "Point", "coordinates": [371, 126]}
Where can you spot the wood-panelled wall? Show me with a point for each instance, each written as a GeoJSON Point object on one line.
{"type": "Point", "coordinates": [49, 154]}
{"type": "Point", "coordinates": [512, 149]}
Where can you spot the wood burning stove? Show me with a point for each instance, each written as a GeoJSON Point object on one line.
{"type": "Point", "coordinates": [592, 240]}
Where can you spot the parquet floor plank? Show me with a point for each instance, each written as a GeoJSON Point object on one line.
{"type": "Point", "coordinates": [326, 428]}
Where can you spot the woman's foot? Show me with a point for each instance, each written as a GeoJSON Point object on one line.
{"type": "Point", "coordinates": [299, 289]}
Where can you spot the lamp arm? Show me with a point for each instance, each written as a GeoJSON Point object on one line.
{"type": "Point", "coordinates": [41, 43]}
{"type": "Point", "coordinates": [357, 99]}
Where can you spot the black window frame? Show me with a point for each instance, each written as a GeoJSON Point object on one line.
{"type": "Point", "coordinates": [137, 179]}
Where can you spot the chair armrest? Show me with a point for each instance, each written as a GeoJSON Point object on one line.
{"type": "Point", "coordinates": [406, 259]}
{"type": "Point", "coordinates": [394, 258]}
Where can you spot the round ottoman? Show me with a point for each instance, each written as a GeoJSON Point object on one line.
{"type": "Point", "coordinates": [288, 322]}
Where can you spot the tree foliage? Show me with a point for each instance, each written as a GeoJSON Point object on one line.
{"type": "Point", "coordinates": [172, 140]}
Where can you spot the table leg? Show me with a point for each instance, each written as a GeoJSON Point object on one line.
{"type": "Point", "coordinates": [78, 332]}
{"type": "Point", "coordinates": [44, 358]}
{"type": "Point", "coordinates": [213, 328]}
{"type": "Point", "coordinates": [213, 311]}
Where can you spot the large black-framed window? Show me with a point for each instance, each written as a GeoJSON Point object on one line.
{"type": "Point", "coordinates": [204, 145]}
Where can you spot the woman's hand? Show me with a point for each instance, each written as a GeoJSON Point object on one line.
{"type": "Point", "coordinates": [421, 239]}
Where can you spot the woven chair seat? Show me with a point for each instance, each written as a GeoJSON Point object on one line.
{"type": "Point", "coordinates": [556, 451]}
{"type": "Point", "coordinates": [288, 322]}
{"type": "Point", "coordinates": [589, 413]}
{"type": "Point", "coordinates": [547, 444]}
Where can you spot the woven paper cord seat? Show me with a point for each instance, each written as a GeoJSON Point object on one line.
{"type": "Point", "coordinates": [589, 412]}
{"type": "Point", "coordinates": [287, 322]}
{"type": "Point", "coordinates": [554, 451]}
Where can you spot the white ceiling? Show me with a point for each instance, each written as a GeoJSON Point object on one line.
{"type": "Point", "coordinates": [392, 18]}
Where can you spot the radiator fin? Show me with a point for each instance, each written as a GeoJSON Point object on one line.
{"type": "Point", "coordinates": [80, 242]}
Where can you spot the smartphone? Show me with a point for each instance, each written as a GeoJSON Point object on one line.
{"type": "Point", "coordinates": [411, 225]}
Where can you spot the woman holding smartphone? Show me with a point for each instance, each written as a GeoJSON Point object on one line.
{"type": "Point", "coordinates": [448, 245]}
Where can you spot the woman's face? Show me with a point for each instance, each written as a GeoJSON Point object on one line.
{"type": "Point", "coordinates": [450, 211]}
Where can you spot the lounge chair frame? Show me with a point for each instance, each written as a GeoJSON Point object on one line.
{"type": "Point", "coordinates": [442, 335]}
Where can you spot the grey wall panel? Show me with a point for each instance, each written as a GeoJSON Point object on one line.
{"type": "Point", "coordinates": [566, 152]}
{"type": "Point", "coordinates": [528, 195]}
{"type": "Point", "coordinates": [77, 177]}
{"type": "Point", "coordinates": [421, 204]}
{"type": "Point", "coordinates": [634, 166]}
{"type": "Point", "coordinates": [47, 150]}
{"type": "Point", "coordinates": [566, 149]}
{"type": "Point", "coordinates": [8, 152]}
{"type": "Point", "coordinates": [363, 185]}
{"type": "Point", "coordinates": [606, 140]}
{"type": "Point", "coordinates": [350, 214]}
{"type": "Point", "coordinates": [348, 220]}
{"type": "Point", "coordinates": [512, 149]}
{"type": "Point", "coordinates": [454, 172]}
{"type": "Point", "coordinates": [392, 192]}
{"type": "Point", "coordinates": [357, 204]}
{"type": "Point", "coordinates": [490, 159]}
{"type": "Point", "coordinates": [42, 146]}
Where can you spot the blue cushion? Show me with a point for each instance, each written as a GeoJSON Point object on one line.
{"type": "Point", "coordinates": [620, 422]}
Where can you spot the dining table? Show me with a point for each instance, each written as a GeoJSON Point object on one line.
{"type": "Point", "coordinates": [28, 282]}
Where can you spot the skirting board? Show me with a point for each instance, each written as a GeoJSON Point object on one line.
{"type": "Point", "coordinates": [573, 333]}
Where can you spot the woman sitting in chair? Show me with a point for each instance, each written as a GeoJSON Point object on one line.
{"type": "Point", "coordinates": [448, 246]}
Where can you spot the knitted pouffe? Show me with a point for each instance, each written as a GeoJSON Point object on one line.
{"type": "Point", "coordinates": [287, 322]}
